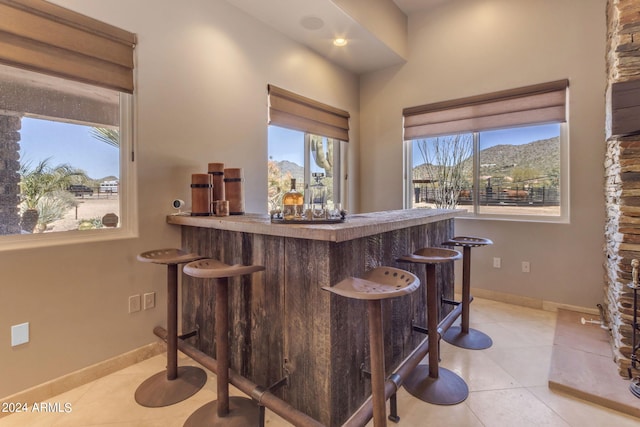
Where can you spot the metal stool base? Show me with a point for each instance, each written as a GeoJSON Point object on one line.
{"type": "Point", "coordinates": [447, 389]}
{"type": "Point", "coordinates": [158, 391]}
{"type": "Point", "coordinates": [634, 387]}
{"type": "Point", "coordinates": [472, 340]}
{"type": "Point", "coordinates": [243, 412]}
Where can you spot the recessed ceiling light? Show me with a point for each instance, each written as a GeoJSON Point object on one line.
{"type": "Point", "coordinates": [339, 41]}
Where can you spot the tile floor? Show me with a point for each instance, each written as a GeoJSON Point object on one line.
{"type": "Point", "coordinates": [582, 364]}
{"type": "Point", "coordinates": [507, 384]}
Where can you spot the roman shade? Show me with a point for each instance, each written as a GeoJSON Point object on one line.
{"type": "Point", "coordinates": [537, 104]}
{"type": "Point", "coordinates": [46, 38]}
{"type": "Point", "coordinates": [293, 111]}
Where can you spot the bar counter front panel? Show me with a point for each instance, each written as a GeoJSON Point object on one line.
{"type": "Point", "coordinates": [284, 324]}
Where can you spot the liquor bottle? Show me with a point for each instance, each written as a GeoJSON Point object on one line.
{"type": "Point", "coordinates": [318, 196]}
{"type": "Point", "coordinates": [292, 203]}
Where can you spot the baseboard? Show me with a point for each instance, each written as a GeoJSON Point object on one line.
{"type": "Point", "coordinates": [528, 301]}
{"type": "Point", "coordinates": [555, 306]}
{"type": "Point", "coordinates": [49, 389]}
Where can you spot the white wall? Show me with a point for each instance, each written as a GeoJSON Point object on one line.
{"type": "Point", "coordinates": [382, 18]}
{"type": "Point", "coordinates": [202, 73]}
{"type": "Point", "coordinates": [469, 47]}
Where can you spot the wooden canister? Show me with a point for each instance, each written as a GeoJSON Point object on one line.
{"type": "Point", "coordinates": [216, 170]}
{"type": "Point", "coordinates": [234, 190]}
{"type": "Point", "coordinates": [200, 194]}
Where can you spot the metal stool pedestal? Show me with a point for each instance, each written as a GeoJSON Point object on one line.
{"type": "Point", "coordinates": [376, 285]}
{"type": "Point", "coordinates": [227, 411]}
{"type": "Point", "coordinates": [463, 336]}
{"type": "Point", "coordinates": [176, 383]}
{"type": "Point", "coordinates": [432, 383]}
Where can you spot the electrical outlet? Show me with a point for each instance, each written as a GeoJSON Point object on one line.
{"type": "Point", "coordinates": [497, 262]}
{"type": "Point", "coordinates": [134, 303]}
{"type": "Point", "coordinates": [149, 300]}
{"type": "Point", "coordinates": [526, 267]}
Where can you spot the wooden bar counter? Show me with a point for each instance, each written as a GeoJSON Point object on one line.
{"type": "Point", "coordinates": [284, 324]}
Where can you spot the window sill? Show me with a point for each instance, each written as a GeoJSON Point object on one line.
{"type": "Point", "coordinates": [536, 219]}
{"type": "Point", "coordinates": [33, 241]}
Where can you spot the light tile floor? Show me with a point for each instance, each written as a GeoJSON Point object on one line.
{"type": "Point", "coordinates": [507, 384]}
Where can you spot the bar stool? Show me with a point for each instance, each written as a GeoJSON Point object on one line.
{"type": "Point", "coordinates": [229, 411]}
{"type": "Point", "coordinates": [432, 383]}
{"type": "Point", "coordinates": [376, 285]}
{"type": "Point", "coordinates": [176, 383]}
{"type": "Point", "coordinates": [463, 336]}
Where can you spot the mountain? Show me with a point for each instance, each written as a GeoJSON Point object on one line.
{"type": "Point", "coordinates": [514, 162]}
{"type": "Point", "coordinates": [289, 168]}
{"type": "Point", "coordinates": [542, 156]}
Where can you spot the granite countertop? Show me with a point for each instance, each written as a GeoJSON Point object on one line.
{"type": "Point", "coordinates": [355, 226]}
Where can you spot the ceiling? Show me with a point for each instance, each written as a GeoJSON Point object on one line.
{"type": "Point", "coordinates": [315, 23]}
{"type": "Point", "coordinates": [410, 6]}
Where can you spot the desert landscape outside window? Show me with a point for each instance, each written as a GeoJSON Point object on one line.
{"type": "Point", "coordinates": [62, 149]}
{"type": "Point", "coordinates": [304, 157]}
{"type": "Point", "coordinates": [500, 155]}
{"type": "Point", "coordinates": [517, 171]}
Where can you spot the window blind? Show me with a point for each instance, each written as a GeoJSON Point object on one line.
{"type": "Point", "coordinates": [46, 38]}
{"type": "Point", "coordinates": [536, 104]}
{"type": "Point", "coordinates": [293, 111]}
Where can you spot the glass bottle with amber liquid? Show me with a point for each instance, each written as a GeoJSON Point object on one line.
{"type": "Point", "coordinates": [292, 203]}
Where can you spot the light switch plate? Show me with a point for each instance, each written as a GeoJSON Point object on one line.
{"type": "Point", "coordinates": [19, 334]}
{"type": "Point", "coordinates": [149, 300]}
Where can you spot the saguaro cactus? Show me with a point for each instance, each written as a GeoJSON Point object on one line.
{"type": "Point", "coordinates": [322, 158]}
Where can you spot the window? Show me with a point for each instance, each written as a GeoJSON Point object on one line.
{"type": "Point", "coordinates": [65, 127]}
{"type": "Point", "coordinates": [307, 141]}
{"type": "Point", "coordinates": [307, 158]}
{"type": "Point", "coordinates": [501, 155]}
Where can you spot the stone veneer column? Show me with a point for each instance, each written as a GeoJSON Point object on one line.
{"type": "Point", "coordinates": [622, 182]}
{"type": "Point", "coordinates": [9, 174]}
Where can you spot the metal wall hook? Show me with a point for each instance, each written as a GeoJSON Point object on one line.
{"type": "Point", "coordinates": [634, 387]}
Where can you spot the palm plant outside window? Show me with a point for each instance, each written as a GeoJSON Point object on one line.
{"type": "Point", "coordinates": [56, 93]}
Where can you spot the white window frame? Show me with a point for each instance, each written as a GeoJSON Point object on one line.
{"type": "Point", "coordinates": [339, 159]}
{"type": "Point", "coordinates": [563, 218]}
{"type": "Point", "coordinates": [128, 226]}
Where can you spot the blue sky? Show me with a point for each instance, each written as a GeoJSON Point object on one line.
{"type": "Point", "coordinates": [519, 135]}
{"type": "Point", "coordinates": [67, 143]}
{"type": "Point", "coordinates": [511, 136]}
{"type": "Point", "coordinates": [73, 144]}
{"type": "Point", "coordinates": [287, 144]}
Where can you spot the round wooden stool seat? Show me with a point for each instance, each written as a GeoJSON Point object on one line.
{"type": "Point", "coordinates": [229, 411]}
{"type": "Point", "coordinates": [432, 383]}
{"type": "Point", "coordinates": [175, 384]}
{"type": "Point", "coordinates": [379, 283]}
{"type": "Point", "coordinates": [168, 256]}
{"type": "Point", "coordinates": [464, 336]}
{"type": "Point", "coordinates": [376, 285]}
